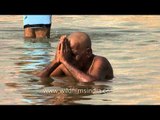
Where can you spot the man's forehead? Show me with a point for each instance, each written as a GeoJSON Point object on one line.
{"type": "Point", "coordinates": [74, 44]}
{"type": "Point", "coordinates": [73, 40]}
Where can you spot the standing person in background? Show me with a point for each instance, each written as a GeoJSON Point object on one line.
{"type": "Point", "coordinates": [37, 26]}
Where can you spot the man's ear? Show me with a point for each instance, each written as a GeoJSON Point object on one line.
{"type": "Point", "coordinates": [89, 51]}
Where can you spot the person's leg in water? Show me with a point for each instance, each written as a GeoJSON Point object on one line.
{"type": "Point", "coordinates": [37, 26]}
{"type": "Point", "coordinates": [29, 33]}
{"type": "Point", "coordinates": [42, 32]}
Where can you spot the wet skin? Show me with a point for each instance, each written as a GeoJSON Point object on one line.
{"type": "Point", "coordinates": [74, 58]}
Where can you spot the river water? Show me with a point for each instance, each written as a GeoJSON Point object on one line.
{"type": "Point", "coordinates": [130, 42]}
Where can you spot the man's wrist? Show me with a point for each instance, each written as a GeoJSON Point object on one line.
{"type": "Point", "coordinates": [55, 62]}
{"type": "Point", "coordinates": [64, 62]}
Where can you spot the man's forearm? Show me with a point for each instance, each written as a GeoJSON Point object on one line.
{"type": "Point", "coordinates": [49, 69]}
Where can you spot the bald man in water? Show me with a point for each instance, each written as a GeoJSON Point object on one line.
{"type": "Point", "coordinates": [74, 58]}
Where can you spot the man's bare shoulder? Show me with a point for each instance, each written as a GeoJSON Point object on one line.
{"type": "Point", "coordinates": [101, 59]}
{"type": "Point", "coordinates": [103, 62]}
{"type": "Point", "coordinates": [105, 65]}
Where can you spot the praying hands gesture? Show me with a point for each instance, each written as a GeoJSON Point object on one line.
{"type": "Point", "coordinates": [63, 52]}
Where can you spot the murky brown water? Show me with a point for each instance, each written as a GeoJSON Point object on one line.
{"type": "Point", "coordinates": [131, 43]}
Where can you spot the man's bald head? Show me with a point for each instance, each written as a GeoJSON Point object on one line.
{"type": "Point", "coordinates": [80, 39]}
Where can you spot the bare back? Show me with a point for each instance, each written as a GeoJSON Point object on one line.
{"type": "Point", "coordinates": [101, 68]}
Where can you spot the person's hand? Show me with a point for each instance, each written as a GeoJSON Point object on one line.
{"type": "Point", "coordinates": [64, 50]}
{"type": "Point", "coordinates": [57, 56]}
{"type": "Point", "coordinates": [58, 52]}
